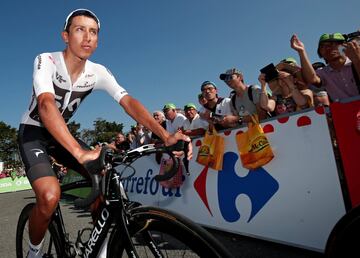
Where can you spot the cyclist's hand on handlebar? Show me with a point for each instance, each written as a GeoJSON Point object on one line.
{"type": "Point", "coordinates": [88, 155]}
{"type": "Point", "coordinates": [178, 136]}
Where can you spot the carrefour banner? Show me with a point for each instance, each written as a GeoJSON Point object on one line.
{"type": "Point", "coordinates": [9, 184]}
{"type": "Point", "coordinates": [296, 199]}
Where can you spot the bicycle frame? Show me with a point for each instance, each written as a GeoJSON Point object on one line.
{"type": "Point", "coordinates": [113, 210]}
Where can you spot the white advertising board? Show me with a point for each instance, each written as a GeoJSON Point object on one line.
{"type": "Point", "coordinates": [296, 199]}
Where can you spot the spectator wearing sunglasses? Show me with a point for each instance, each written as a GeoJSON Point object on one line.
{"type": "Point", "coordinates": [245, 99]}
{"type": "Point", "coordinates": [217, 110]}
{"type": "Point", "coordinates": [340, 76]}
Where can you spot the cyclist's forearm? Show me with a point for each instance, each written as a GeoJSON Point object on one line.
{"type": "Point", "coordinates": [141, 115]}
{"type": "Point", "coordinates": [55, 124]}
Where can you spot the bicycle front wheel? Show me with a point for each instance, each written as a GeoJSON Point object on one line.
{"type": "Point", "coordinates": [159, 233]}
{"type": "Point", "coordinates": [52, 243]}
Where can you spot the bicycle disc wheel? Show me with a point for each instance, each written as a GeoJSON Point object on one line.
{"type": "Point", "coordinates": [171, 234]}
{"type": "Point", "coordinates": [52, 243]}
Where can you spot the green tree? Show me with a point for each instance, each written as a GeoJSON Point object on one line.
{"type": "Point", "coordinates": [8, 144]}
{"type": "Point", "coordinates": [74, 128]}
{"type": "Point", "coordinates": [103, 131]}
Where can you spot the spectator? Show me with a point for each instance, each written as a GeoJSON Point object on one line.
{"type": "Point", "coordinates": [160, 118]}
{"type": "Point", "coordinates": [201, 99]}
{"type": "Point", "coordinates": [339, 76]}
{"type": "Point", "coordinates": [289, 91]}
{"type": "Point", "coordinates": [120, 144]}
{"type": "Point", "coordinates": [174, 120]}
{"type": "Point", "coordinates": [320, 95]}
{"type": "Point", "coordinates": [217, 111]}
{"type": "Point", "coordinates": [130, 136]}
{"type": "Point", "coordinates": [244, 98]}
{"type": "Point", "coordinates": [290, 66]}
{"type": "Point", "coordinates": [142, 136]}
{"type": "Point", "coordinates": [193, 125]}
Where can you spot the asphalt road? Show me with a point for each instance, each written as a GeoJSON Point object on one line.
{"type": "Point", "coordinates": [12, 203]}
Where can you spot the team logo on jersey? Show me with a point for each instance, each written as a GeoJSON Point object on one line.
{"type": "Point", "coordinates": [86, 85]}
{"type": "Point", "coordinates": [52, 59]}
{"type": "Point", "coordinates": [39, 62]}
{"type": "Point", "coordinates": [37, 152]}
{"type": "Point", "coordinates": [59, 78]}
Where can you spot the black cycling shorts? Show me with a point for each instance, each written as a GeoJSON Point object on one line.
{"type": "Point", "coordinates": [36, 144]}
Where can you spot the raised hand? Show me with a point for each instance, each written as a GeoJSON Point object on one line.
{"type": "Point", "coordinates": [296, 44]}
{"type": "Point", "coordinates": [352, 51]}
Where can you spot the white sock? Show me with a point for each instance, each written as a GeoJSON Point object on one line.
{"type": "Point", "coordinates": [34, 250]}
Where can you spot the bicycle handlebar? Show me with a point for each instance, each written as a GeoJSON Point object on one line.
{"type": "Point", "coordinates": [94, 167]}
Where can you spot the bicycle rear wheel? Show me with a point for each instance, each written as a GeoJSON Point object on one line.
{"type": "Point", "coordinates": [52, 243]}
{"type": "Point", "coordinates": [171, 234]}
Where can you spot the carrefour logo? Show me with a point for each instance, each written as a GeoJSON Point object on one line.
{"type": "Point", "coordinates": [258, 185]}
{"type": "Point", "coordinates": [148, 185]}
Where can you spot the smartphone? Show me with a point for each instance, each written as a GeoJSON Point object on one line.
{"type": "Point", "coordinates": [270, 72]}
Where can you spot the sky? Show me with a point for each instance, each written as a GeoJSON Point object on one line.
{"type": "Point", "coordinates": [161, 51]}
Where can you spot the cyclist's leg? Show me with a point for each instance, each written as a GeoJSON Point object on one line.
{"type": "Point", "coordinates": [33, 143]}
{"type": "Point", "coordinates": [66, 159]}
{"type": "Point", "coordinates": [47, 191]}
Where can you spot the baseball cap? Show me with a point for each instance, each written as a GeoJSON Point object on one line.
{"type": "Point", "coordinates": [229, 72]}
{"type": "Point", "coordinates": [207, 83]}
{"type": "Point", "coordinates": [289, 60]}
{"type": "Point", "coordinates": [169, 106]}
{"type": "Point", "coordinates": [326, 37]}
{"type": "Point", "coordinates": [79, 12]}
{"type": "Point", "coordinates": [189, 105]}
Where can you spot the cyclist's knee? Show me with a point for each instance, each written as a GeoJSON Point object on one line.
{"type": "Point", "coordinates": [47, 202]}
{"type": "Point", "coordinates": [47, 195]}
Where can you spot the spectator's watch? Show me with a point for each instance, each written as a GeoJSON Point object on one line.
{"type": "Point", "coordinates": [240, 121]}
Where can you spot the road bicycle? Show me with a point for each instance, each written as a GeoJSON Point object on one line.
{"type": "Point", "coordinates": [123, 228]}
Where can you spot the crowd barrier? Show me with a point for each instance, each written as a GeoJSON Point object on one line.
{"type": "Point", "coordinates": [296, 199]}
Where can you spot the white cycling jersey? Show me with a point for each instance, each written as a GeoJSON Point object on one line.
{"type": "Point", "coordinates": [50, 75]}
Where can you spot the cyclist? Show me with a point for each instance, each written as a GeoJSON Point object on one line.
{"type": "Point", "coordinates": [61, 81]}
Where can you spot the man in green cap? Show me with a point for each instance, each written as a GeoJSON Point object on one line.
{"type": "Point", "coordinates": [340, 76]}
{"type": "Point", "coordinates": [193, 125]}
{"type": "Point", "coordinates": [174, 120]}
